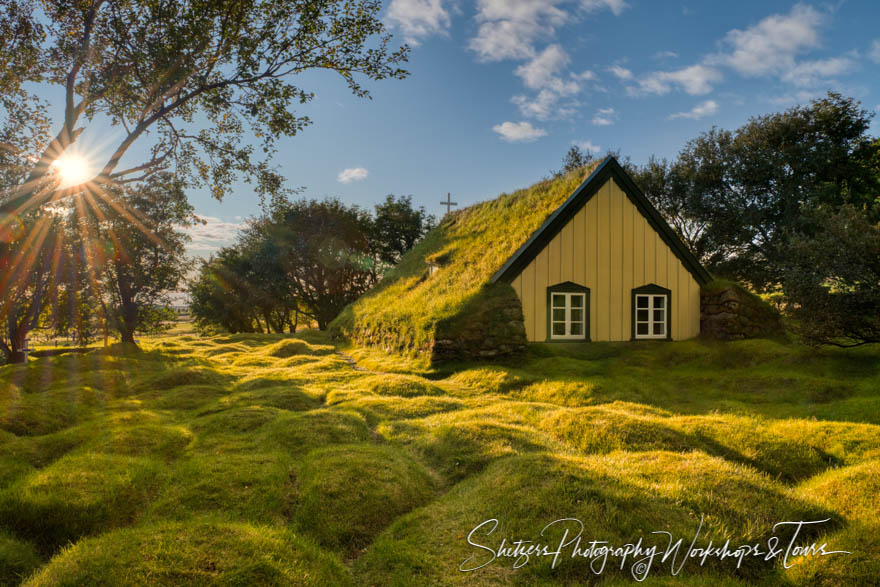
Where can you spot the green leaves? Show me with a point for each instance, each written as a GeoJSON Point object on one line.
{"type": "Point", "coordinates": [194, 76]}
{"type": "Point", "coordinates": [737, 196]}
{"type": "Point", "coordinates": [832, 282]}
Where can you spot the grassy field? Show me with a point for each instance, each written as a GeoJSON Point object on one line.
{"type": "Point", "coordinates": [254, 459]}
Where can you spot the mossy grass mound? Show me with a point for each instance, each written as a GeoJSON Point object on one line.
{"type": "Point", "coordinates": [184, 397]}
{"type": "Point", "coordinates": [246, 485]}
{"type": "Point", "coordinates": [857, 564]}
{"type": "Point", "coordinates": [78, 495]}
{"type": "Point", "coordinates": [18, 559]}
{"type": "Point", "coordinates": [299, 433]}
{"type": "Point", "coordinates": [235, 420]}
{"type": "Point", "coordinates": [194, 553]}
{"type": "Point", "coordinates": [180, 377]}
{"type": "Point", "coordinates": [35, 414]}
{"type": "Point", "coordinates": [12, 469]}
{"type": "Point", "coordinates": [378, 409]}
{"type": "Point", "coordinates": [619, 497]}
{"type": "Point", "coordinates": [463, 442]}
{"type": "Point", "coordinates": [293, 347]}
{"type": "Point", "coordinates": [791, 450]}
{"type": "Point", "coordinates": [852, 491]}
{"type": "Point", "coordinates": [39, 451]}
{"type": "Point", "coordinates": [395, 385]}
{"type": "Point", "coordinates": [616, 426]}
{"type": "Point", "coordinates": [348, 494]}
{"type": "Point", "coordinates": [491, 379]}
{"type": "Point", "coordinates": [161, 441]}
{"type": "Point", "coordinates": [284, 397]}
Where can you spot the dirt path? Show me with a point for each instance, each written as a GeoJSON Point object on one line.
{"type": "Point", "coordinates": [351, 362]}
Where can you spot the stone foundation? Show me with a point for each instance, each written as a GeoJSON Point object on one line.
{"type": "Point", "coordinates": [732, 313]}
{"type": "Point", "coordinates": [489, 327]}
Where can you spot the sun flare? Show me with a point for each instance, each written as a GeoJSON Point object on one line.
{"type": "Point", "coordinates": [72, 169]}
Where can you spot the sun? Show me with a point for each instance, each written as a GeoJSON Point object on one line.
{"type": "Point", "coordinates": [72, 169]}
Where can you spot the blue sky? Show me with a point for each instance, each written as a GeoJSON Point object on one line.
{"type": "Point", "coordinates": [500, 89]}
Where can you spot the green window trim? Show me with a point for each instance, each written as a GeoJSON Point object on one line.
{"type": "Point", "coordinates": [656, 290]}
{"type": "Point", "coordinates": [568, 287]}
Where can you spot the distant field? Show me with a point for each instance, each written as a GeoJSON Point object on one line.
{"type": "Point", "coordinates": [255, 459]}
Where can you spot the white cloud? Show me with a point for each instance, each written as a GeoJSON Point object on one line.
{"type": "Point", "coordinates": [874, 52]}
{"type": "Point", "coordinates": [543, 68]}
{"type": "Point", "coordinates": [514, 29]}
{"type": "Point", "coordinates": [707, 108]}
{"type": "Point", "coordinates": [518, 132]}
{"type": "Point", "coordinates": [660, 55]}
{"type": "Point", "coordinates": [587, 146]}
{"type": "Point", "coordinates": [695, 80]}
{"type": "Point", "coordinates": [352, 174]}
{"type": "Point", "coordinates": [542, 72]}
{"type": "Point", "coordinates": [585, 75]}
{"type": "Point", "coordinates": [541, 106]}
{"type": "Point", "coordinates": [509, 28]}
{"type": "Point", "coordinates": [621, 72]}
{"type": "Point", "coordinates": [604, 117]}
{"type": "Point", "coordinates": [418, 19]}
{"type": "Point", "coordinates": [770, 47]}
{"type": "Point", "coordinates": [615, 6]}
{"type": "Point", "coordinates": [808, 73]}
{"type": "Point", "coordinates": [211, 236]}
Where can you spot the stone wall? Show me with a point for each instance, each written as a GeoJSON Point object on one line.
{"type": "Point", "coordinates": [731, 313]}
{"type": "Point", "coordinates": [488, 327]}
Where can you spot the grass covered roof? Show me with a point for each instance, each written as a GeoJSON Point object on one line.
{"type": "Point", "coordinates": [404, 310]}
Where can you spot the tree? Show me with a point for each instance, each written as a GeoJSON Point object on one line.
{"type": "Point", "coordinates": [145, 251]}
{"type": "Point", "coordinates": [31, 259]}
{"type": "Point", "coordinates": [192, 76]}
{"type": "Point", "coordinates": [29, 247]}
{"type": "Point", "coordinates": [327, 255]}
{"type": "Point", "coordinates": [270, 289]}
{"type": "Point", "coordinates": [832, 282]}
{"type": "Point", "coordinates": [663, 184]}
{"type": "Point", "coordinates": [306, 258]}
{"type": "Point", "coordinates": [575, 158]}
{"type": "Point", "coordinates": [79, 310]}
{"type": "Point", "coordinates": [397, 227]}
{"type": "Point", "coordinates": [220, 295]}
{"type": "Point", "coordinates": [748, 191]}
{"type": "Point", "coordinates": [189, 77]}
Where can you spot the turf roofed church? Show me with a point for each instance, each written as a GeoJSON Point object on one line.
{"type": "Point", "coordinates": [606, 267]}
{"type": "Point", "coordinates": [568, 259]}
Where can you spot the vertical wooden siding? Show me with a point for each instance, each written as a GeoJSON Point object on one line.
{"type": "Point", "coordinates": [609, 247]}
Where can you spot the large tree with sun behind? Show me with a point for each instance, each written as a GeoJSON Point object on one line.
{"type": "Point", "coordinates": [204, 87]}
{"type": "Point", "coordinates": [200, 81]}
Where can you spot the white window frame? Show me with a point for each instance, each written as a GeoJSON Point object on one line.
{"type": "Point", "coordinates": [568, 296]}
{"type": "Point", "coordinates": [652, 298]}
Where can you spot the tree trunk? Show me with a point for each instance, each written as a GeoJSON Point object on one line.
{"type": "Point", "coordinates": [293, 324]}
{"type": "Point", "coordinates": [128, 322]}
{"type": "Point", "coordinates": [16, 344]}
